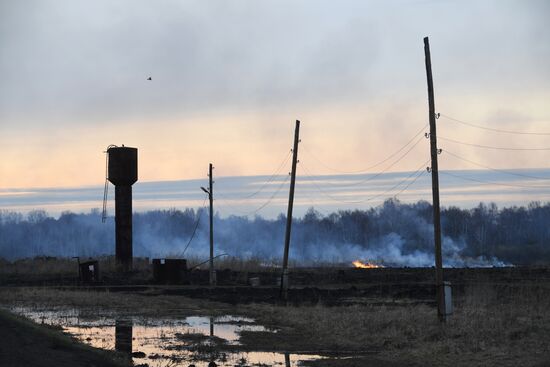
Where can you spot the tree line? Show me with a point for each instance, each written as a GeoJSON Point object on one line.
{"type": "Point", "coordinates": [393, 233]}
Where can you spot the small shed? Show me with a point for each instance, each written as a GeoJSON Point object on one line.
{"type": "Point", "coordinates": [89, 271]}
{"type": "Point", "coordinates": [170, 271]}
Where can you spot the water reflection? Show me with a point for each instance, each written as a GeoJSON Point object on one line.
{"type": "Point", "coordinates": [123, 336]}
{"type": "Point", "coordinates": [211, 326]}
{"type": "Point", "coordinates": [160, 342]}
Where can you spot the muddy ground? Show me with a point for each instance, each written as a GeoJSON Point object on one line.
{"type": "Point", "coordinates": [26, 344]}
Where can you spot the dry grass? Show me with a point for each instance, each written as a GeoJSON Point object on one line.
{"type": "Point", "coordinates": [47, 266]}
{"type": "Point", "coordinates": [486, 329]}
{"type": "Point", "coordinates": [236, 264]}
{"type": "Point", "coordinates": [63, 266]}
{"type": "Point", "coordinates": [99, 302]}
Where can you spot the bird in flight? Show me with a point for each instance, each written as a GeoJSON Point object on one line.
{"type": "Point", "coordinates": [149, 78]}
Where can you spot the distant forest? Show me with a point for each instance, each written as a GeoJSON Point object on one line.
{"type": "Point", "coordinates": [394, 234]}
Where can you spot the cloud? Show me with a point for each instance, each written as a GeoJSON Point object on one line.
{"type": "Point", "coordinates": [74, 79]}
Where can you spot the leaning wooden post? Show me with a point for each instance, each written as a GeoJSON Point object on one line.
{"type": "Point", "coordinates": [441, 312]}
{"type": "Point", "coordinates": [284, 275]}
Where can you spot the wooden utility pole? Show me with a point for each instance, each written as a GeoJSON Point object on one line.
{"type": "Point", "coordinates": [211, 197]}
{"type": "Point", "coordinates": [284, 276]}
{"type": "Point", "coordinates": [441, 312]}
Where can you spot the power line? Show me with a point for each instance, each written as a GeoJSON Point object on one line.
{"type": "Point", "coordinates": [308, 174]}
{"type": "Point", "coordinates": [421, 172]}
{"type": "Point", "coordinates": [281, 165]}
{"type": "Point", "coordinates": [196, 225]}
{"type": "Point", "coordinates": [493, 169]}
{"type": "Point", "coordinates": [492, 129]}
{"type": "Point", "coordinates": [490, 182]}
{"type": "Point", "coordinates": [254, 212]}
{"type": "Point", "coordinates": [269, 200]}
{"type": "Point", "coordinates": [204, 262]}
{"type": "Point", "coordinates": [267, 182]}
{"type": "Point", "coordinates": [323, 192]}
{"type": "Point", "coordinates": [371, 167]}
{"type": "Point", "coordinates": [223, 202]}
{"type": "Point", "coordinates": [489, 146]}
{"type": "Point", "coordinates": [376, 175]}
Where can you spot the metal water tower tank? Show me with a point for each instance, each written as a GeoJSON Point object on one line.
{"type": "Point", "coordinates": [123, 173]}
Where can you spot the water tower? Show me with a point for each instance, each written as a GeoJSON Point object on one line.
{"type": "Point", "coordinates": [122, 172]}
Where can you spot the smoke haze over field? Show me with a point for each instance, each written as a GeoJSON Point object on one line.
{"type": "Point", "coordinates": [393, 234]}
{"type": "Point", "coordinates": [212, 81]}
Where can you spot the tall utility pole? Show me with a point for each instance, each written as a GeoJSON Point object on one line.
{"type": "Point", "coordinates": [441, 312]}
{"type": "Point", "coordinates": [284, 276]}
{"type": "Point", "coordinates": [210, 192]}
{"type": "Point", "coordinates": [211, 197]}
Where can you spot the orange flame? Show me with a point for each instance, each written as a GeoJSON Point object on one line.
{"type": "Point", "coordinates": [362, 265]}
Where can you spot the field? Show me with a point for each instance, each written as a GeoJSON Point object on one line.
{"type": "Point", "coordinates": [335, 316]}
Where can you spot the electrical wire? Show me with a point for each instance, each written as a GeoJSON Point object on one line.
{"type": "Point", "coordinates": [283, 163]}
{"type": "Point", "coordinates": [204, 262]}
{"type": "Point", "coordinates": [490, 147]}
{"type": "Point", "coordinates": [422, 166]}
{"type": "Point", "coordinates": [199, 215]}
{"type": "Point", "coordinates": [491, 168]}
{"type": "Point", "coordinates": [263, 186]}
{"type": "Point", "coordinates": [420, 169]}
{"type": "Point", "coordinates": [492, 129]}
{"type": "Point", "coordinates": [490, 182]}
{"type": "Point", "coordinates": [269, 180]}
{"type": "Point", "coordinates": [370, 178]}
{"type": "Point", "coordinates": [223, 205]}
{"type": "Point", "coordinates": [254, 212]}
{"type": "Point", "coordinates": [372, 166]}
{"type": "Point", "coordinates": [269, 200]}
{"type": "Point", "coordinates": [421, 172]}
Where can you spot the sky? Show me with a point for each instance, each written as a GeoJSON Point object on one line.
{"type": "Point", "coordinates": [229, 79]}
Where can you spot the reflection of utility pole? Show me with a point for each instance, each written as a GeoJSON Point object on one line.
{"type": "Point", "coordinates": [287, 359]}
{"type": "Point", "coordinates": [441, 312]}
{"type": "Point", "coordinates": [211, 326]}
{"type": "Point", "coordinates": [210, 193]}
{"type": "Point", "coordinates": [123, 337]}
{"type": "Point", "coordinates": [284, 276]}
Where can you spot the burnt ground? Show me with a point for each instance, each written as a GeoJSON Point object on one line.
{"type": "Point", "coordinates": [26, 344]}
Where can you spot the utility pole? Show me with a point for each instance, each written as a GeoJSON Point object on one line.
{"type": "Point", "coordinates": [210, 192]}
{"type": "Point", "coordinates": [284, 276]}
{"type": "Point", "coordinates": [441, 312]}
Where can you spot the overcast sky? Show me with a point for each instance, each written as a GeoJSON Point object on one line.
{"type": "Point", "coordinates": [230, 77]}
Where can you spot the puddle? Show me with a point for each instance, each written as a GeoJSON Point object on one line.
{"type": "Point", "coordinates": [163, 342]}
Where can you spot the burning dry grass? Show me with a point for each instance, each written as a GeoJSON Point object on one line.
{"type": "Point", "coordinates": [365, 265]}
{"type": "Point", "coordinates": [55, 267]}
